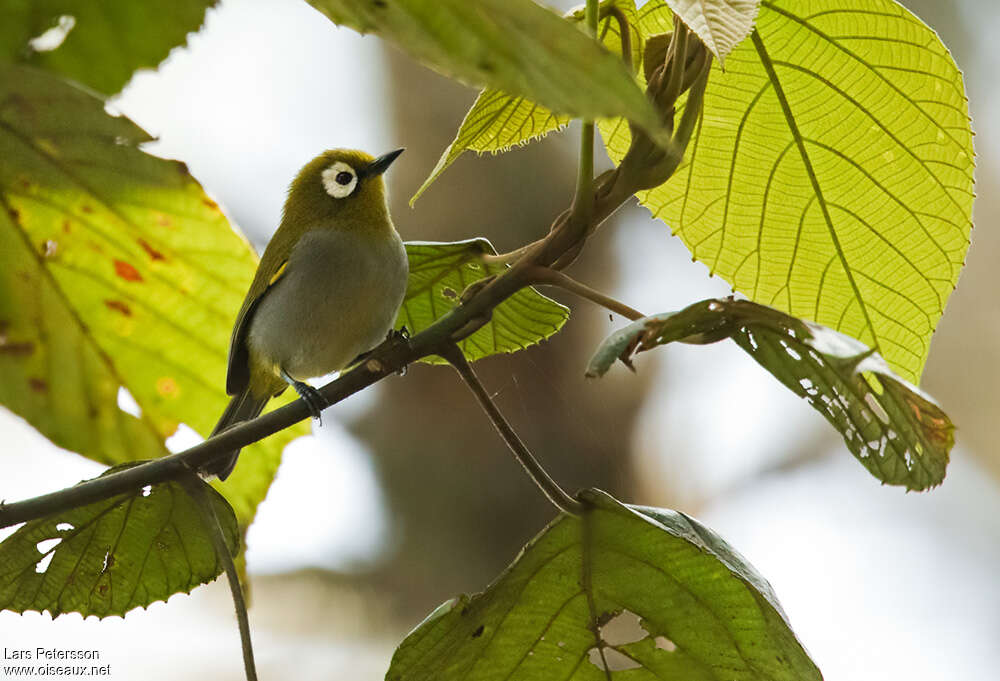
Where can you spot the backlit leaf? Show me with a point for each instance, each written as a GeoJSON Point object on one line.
{"type": "Point", "coordinates": [831, 174]}
{"type": "Point", "coordinates": [440, 272]}
{"type": "Point", "coordinates": [721, 24]}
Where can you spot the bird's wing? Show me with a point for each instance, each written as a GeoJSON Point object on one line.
{"type": "Point", "coordinates": [271, 269]}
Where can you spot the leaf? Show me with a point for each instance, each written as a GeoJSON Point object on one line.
{"type": "Point", "coordinates": [116, 271]}
{"type": "Point", "coordinates": [114, 555]}
{"type": "Point", "coordinates": [721, 24]}
{"type": "Point", "coordinates": [897, 432]}
{"type": "Point", "coordinates": [440, 272]}
{"type": "Point", "coordinates": [497, 121]}
{"type": "Point", "coordinates": [831, 173]}
{"type": "Point", "coordinates": [515, 46]}
{"type": "Point", "coordinates": [671, 600]}
{"type": "Point", "coordinates": [102, 41]}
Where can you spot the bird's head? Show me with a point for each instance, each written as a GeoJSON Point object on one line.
{"type": "Point", "coordinates": [339, 189]}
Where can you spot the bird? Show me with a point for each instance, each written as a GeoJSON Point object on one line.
{"type": "Point", "coordinates": [327, 289]}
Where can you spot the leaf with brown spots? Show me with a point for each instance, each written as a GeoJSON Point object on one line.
{"type": "Point", "coordinates": [126, 271]}
{"type": "Point", "coordinates": [98, 295]}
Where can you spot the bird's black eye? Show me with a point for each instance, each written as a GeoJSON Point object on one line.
{"type": "Point", "coordinates": [344, 178]}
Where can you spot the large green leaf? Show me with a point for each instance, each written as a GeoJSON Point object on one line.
{"type": "Point", "coordinates": [114, 555]}
{"type": "Point", "coordinates": [116, 270]}
{"type": "Point", "coordinates": [621, 593]}
{"type": "Point", "coordinates": [897, 432]}
{"type": "Point", "coordinates": [103, 41]}
{"type": "Point", "coordinates": [515, 46]}
{"type": "Point", "coordinates": [721, 24]}
{"type": "Point", "coordinates": [497, 121]}
{"type": "Point", "coordinates": [831, 173]}
{"type": "Point", "coordinates": [440, 272]}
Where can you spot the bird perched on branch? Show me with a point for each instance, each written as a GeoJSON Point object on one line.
{"type": "Point", "coordinates": [327, 288]}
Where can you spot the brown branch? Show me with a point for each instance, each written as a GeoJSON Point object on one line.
{"type": "Point", "coordinates": [557, 250]}
{"type": "Point", "coordinates": [546, 276]}
{"type": "Point", "coordinates": [534, 469]}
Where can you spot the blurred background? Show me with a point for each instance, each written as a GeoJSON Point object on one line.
{"type": "Point", "coordinates": [405, 496]}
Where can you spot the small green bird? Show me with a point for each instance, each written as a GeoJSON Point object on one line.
{"type": "Point", "coordinates": [327, 289]}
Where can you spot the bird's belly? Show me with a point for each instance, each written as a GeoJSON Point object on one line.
{"type": "Point", "coordinates": [338, 299]}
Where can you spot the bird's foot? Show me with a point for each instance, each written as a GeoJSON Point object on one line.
{"type": "Point", "coordinates": [314, 401]}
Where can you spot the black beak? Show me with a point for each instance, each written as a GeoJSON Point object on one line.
{"type": "Point", "coordinates": [382, 163]}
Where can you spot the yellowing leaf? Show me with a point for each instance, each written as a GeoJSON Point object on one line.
{"type": "Point", "coordinates": [116, 272]}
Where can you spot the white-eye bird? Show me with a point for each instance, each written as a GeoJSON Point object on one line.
{"type": "Point", "coordinates": [327, 288]}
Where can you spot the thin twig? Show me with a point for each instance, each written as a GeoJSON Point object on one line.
{"type": "Point", "coordinates": [196, 489]}
{"type": "Point", "coordinates": [547, 276]}
{"type": "Point", "coordinates": [536, 472]}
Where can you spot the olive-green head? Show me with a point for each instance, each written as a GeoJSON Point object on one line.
{"type": "Point", "coordinates": [339, 189]}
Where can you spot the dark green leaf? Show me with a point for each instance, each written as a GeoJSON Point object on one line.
{"type": "Point", "coordinates": [897, 432]}
{"type": "Point", "coordinates": [670, 600]}
{"type": "Point", "coordinates": [497, 121]}
{"type": "Point", "coordinates": [440, 272]}
{"type": "Point", "coordinates": [109, 557]}
{"type": "Point", "coordinates": [515, 46]}
{"type": "Point", "coordinates": [103, 41]}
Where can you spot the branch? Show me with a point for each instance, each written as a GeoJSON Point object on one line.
{"type": "Point", "coordinates": [557, 250]}
{"type": "Point", "coordinates": [210, 519]}
{"type": "Point", "coordinates": [536, 472]}
{"type": "Point", "coordinates": [549, 277]}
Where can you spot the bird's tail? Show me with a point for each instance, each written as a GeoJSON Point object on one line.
{"type": "Point", "coordinates": [243, 407]}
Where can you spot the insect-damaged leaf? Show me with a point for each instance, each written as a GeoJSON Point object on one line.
{"type": "Point", "coordinates": [897, 432]}
{"type": "Point", "coordinates": [114, 555]}
{"type": "Point", "coordinates": [622, 593]}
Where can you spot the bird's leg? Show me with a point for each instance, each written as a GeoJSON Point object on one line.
{"type": "Point", "coordinates": [309, 395]}
{"type": "Point", "coordinates": [394, 336]}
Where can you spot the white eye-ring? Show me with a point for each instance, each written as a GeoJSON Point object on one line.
{"type": "Point", "coordinates": [339, 180]}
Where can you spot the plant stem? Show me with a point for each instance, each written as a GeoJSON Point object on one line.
{"type": "Point", "coordinates": [197, 489]}
{"type": "Point", "coordinates": [583, 201]}
{"type": "Point", "coordinates": [536, 472]}
{"type": "Point", "coordinates": [559, 248]}
{"type": "Point", "coordinates": [550, 277]}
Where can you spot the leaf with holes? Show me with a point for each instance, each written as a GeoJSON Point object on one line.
{"type": "Point", "coordinates": [114, 555]}
{"type": "Point", "coordinates": [440, 272]}
{"type": "Point", "coordinates": [99, 43]}
{"type": "Point", "coordinates": [498, 122]}
{"type": "Point", "coordinates": [897, 432]}
{"type": "Point", "coordinates": [515, 46]}
{"type": "Point", "coordinates": [831, 174]}
{"type": "Point", "coordinates": [621, 593]}
{"type": "Point", "coordinates": [117, 273]}
{"type": "Point", "coordinates": [721, 24]}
